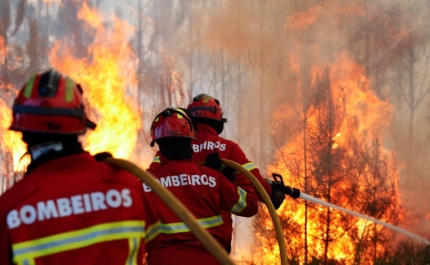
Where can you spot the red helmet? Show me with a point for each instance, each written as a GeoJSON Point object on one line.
{"type": "Point", "coordinates": [50, 102]}
{"type": "Point", "coordinates": [172, 123]}
{"type": "Point", "coordinates": [205, 106]}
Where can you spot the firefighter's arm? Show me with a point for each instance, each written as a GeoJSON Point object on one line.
{"type": "Point", "coordinates": [236, 200]}
{"type": "Point", "coordinates": [256, 172]}
{"type": "Point", "coordinates": [240, 158]}
{"type": "Point", "coordinates": [242, 181]}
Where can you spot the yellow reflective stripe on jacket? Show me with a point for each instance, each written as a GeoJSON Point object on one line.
{"type": "Point", "coordinates": [27, 262]}
{"type": "Point", "coordinates": [249, 166]}
{"type": "Point", "coordinates": [156, 159]}
{"type": "Point", "coordinates": [133, 245]}
{"type": "Point", "coordinates": [241, 203]}
{"type": "Point", "coordinates": [24, 252]}
{"type": "Point", "coordinates": [152, 231]}
{"type": "Point", "coordinates": [174, 228]}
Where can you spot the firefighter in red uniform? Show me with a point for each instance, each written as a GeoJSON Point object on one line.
{"type": "Point", "coordinates": [206, 192]}
{"type": "Point", "coordinates": [69, 208]}
{"type": "Point", "coordinates": [208, 115]}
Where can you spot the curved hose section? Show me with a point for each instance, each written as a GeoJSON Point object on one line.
{"type": "Point", "coordinates": [177, 207]}
{"type": "Point", "coordinates": [266, 199]}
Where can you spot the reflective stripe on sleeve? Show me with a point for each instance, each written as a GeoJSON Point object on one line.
{"type": "Point", "coordinates": [249, 166]}
{"type": "Point", "coordinates": [25, 252]}
{"type": "Point", "coordinates": [174, 228]}
{"type": "Point", "coordinates": [241, 202]}
{"type": "Point", "coordinates": [156, 159]}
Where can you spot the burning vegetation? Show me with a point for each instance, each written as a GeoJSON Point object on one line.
{"type": "Point", "coordinates": [333, 96]}
{"type": "Point", "coordinates": [333, 156]}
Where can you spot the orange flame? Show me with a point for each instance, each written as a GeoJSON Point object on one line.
{"type": "Point", "coordinates": [108, 78]}
{"type": "Point", "coordinates": [350, 88]}
{"type": "Point", "coordinates": [11, 140]}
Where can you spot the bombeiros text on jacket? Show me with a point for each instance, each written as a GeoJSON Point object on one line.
{"type": "Point", "coordinates": [184, 180]}
{"type": "Point", "coordinates": [62, 207]}
{"type": "Point", "coordinates": [208, 145]}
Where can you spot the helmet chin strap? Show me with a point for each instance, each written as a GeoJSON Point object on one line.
{"type": "Point", "coordinates": [40, 149]}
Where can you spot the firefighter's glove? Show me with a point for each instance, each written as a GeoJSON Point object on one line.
{"type": "Point", "coordinates": [102, 156]}
{"type": "Point", "coordinates": [277, 198]}
{"type": "Point", "coordinates": [292, 192]}
{"type": "Point", "coordinates": [215, 162]}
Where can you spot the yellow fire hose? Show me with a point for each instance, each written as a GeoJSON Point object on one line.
{"type": "Point", "coordinates": [177, 207]}
{"type": "Point", "coordinates": [269, 204]}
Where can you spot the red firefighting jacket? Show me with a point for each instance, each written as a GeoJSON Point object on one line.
{"type": "Point", "coordinates": [206, 193]}
{"type": "Point", "coordinates": [75, 210]}
{"type": "Point", "coordinates": [208, 141]}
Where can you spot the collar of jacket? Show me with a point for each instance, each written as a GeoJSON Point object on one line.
{"type": "Point", "coordinates": [201, 127]}
{"type": "Point", "coordinates": [59, 161]}
{"type": "Point", "coordinates": [164, 160]}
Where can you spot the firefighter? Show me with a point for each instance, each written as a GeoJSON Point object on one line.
{"type": "Point", "coordinates": [206, 192]}
{"type": "Point", "coordinates": [208, 114]}
{"type": "Point", "coordinates": [69, 208]}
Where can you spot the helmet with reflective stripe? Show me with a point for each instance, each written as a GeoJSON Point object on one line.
{"type": "Point", "coordinates": [50, 102]}
{"type": "Point", "coordinates": [172, 123]}
{"type": "Point", "coordinates": [205, 106]}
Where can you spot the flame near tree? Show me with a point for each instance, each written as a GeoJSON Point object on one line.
{"type": "Point", "coordinates": [334, 158]}
{"type": "Point", "coordinates": [107, 75]}
{"type": "Point", "coordinates": [334, 151]}
{"type": "Point", "coordinates": [11, 143]}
